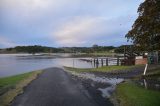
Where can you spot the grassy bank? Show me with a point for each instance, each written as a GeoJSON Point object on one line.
{"type": "Point", "coordinates": [153, 73]}
{"type": "Point", "coordinates": [97, 54]}
{"type": "Point", "coordinates": [10, 87]}
{"type": "Point", "coordinates": [103, 54]}
{"type": "Point", "coordinates": [101, 69]}
{"type": "Point", "coordinates": [129, 94]}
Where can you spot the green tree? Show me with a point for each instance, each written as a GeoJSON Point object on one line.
{"type": "Point", "coordinates": [145, 32]}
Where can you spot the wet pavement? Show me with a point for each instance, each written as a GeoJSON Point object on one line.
{"type": "Point", "coordinates": [60, 88]}
{"type": "Point", "coordinates": [55, 87]}
{"type": "Point", "coordinates": [101, 88]}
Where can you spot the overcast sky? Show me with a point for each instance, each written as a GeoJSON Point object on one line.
{"type": "Point", "coordinates": [61, 23]}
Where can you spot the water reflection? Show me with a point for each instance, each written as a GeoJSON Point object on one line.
{"type": "Point", "coordinates": [153, 84]}
{"type": "Point", "coordinates": [12, 64]}
{"type": "Point", "coordinates": [103, 84]}
{"type": "Point", "coordinates": [145, 83]}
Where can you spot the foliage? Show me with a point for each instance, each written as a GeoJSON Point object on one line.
{"type": "Point", "coordinates": [131, 50]}
{"type": "Point", "coordinates": [102, 48]}
{"type": "Point", "coordinates": [35, 49]}
{"type": "Point", "coordinates": [145, 31]}
{"type": "Point", "coordinates": [120, 49]}
{"type": "Point", "coordinates": [42, 49]}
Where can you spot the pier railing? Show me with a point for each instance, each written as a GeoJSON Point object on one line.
{"type": "Point", "coordinates": [97, 62]}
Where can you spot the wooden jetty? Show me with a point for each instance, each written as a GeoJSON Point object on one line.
{"type": "Point", "coordinates": [105, 61]}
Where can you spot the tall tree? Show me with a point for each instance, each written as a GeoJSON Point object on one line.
{"type": "Point", "coordinates": [145, 31]}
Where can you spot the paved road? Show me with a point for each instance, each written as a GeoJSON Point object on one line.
{"type": "Point", "coordinates": [53, 87]}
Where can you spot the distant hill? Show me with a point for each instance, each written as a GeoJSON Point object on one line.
{"type": "Point", "coordinates": [43, 49]}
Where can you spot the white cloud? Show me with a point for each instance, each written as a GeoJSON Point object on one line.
{"type": "Point", "coordinates": [30, 5]}
{"type": "Point", "coordinates": [71, 22]}
{"type": "Point", "coordinates": [30, 10]}
{"type": "Point", "coordinates": [37, 9]}
{"type": "Point", "coordinates": [24, 6]}
{"type": "Point", "coordinates": [5, 42]}
{"type": "Point", "coordinates": [78, 30]}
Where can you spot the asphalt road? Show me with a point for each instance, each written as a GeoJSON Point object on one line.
{"type": "Point", "coordinates": [54, 87]}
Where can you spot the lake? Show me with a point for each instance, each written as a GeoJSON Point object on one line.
{"type": "Point", "coordinates": [12, 64]}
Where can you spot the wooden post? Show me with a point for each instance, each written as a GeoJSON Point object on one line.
{"type": "Point", "coordinates": [73, 63]}
{"type": "Point", "coordinates": [106, 61]}
{"type": "Point", "coordinates": [124, 52]}
{"type": "Point", "coordinates": [144, 73]}
{"type": "Point", "coordinates": [102, 62]}
{"type": "Point", "coordinates": [97, 63]}
{"type": "Point", "coordinates": [117, 61]}
{"type": "Point", "coordinates": [94, 62]}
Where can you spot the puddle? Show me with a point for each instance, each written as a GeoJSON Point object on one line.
{"type": "Point", "coordinates": [107, 92]}
{"type": "Point", "coordinates": [105, 85]}
{"type": "Point", "coordinates": [112, 81]}
{"type": "Point", "coordinates": [152, 84]}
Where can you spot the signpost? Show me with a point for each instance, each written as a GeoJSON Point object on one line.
{"type": "Point", "coordinates": [145, 69]}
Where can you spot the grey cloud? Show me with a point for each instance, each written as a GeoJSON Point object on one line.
{"type": "Point", "coordinates": [72, 22]}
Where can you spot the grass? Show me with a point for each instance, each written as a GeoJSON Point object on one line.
{"type": "Point", "coordinates": [9, 82]}
{"type": "Point", "coordinates": [96, 54]}
{"type": "Point", "coordinates": [10, 87]}
{"type": "Point", "coordinates": [153, 73]}
{"type": "Point", "coordinates": [101, 69]}
{"type": "Point", "coordinates": [129, 94]}
{"type": "Point", "coordinates": [103, 54]}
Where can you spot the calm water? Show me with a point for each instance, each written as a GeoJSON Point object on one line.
{"type": "Point", "coordinates": [12, 64]}
{"type": "Point", "coordinates": [153, 84]}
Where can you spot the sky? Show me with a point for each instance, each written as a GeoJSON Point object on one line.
{"type": "Point", "coordinates": [66, 23]}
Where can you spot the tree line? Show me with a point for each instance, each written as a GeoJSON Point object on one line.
{"type": "Point", "coordinates": [145, 32]}
{"type": "Point", "coordinates": [43, 49]}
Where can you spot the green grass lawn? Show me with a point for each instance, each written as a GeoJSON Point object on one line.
{"type": "Point", "coordinates": [9, 82]}
{"type": "Point", "coordinates": [101, 69]}
{"type": "Point", "coordinates": [11, 86]}
{"type": "Point", "coordinates": [96, 54]}
{"type": "Point", "coordinates": [129, 94]}
{"type": "Point", "coordinates": [103, 54]}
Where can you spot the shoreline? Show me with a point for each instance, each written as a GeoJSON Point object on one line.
{"type": "Point", "coordinates": [98, 88]}
{"type": "Point", "coordinates": [132, 81]}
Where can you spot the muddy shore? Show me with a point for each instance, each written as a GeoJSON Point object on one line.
{"type": "Point", "coordinates": [102, 85]}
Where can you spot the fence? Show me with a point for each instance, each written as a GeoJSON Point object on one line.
{"type": "Point", "coordinates": [97, 62]}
